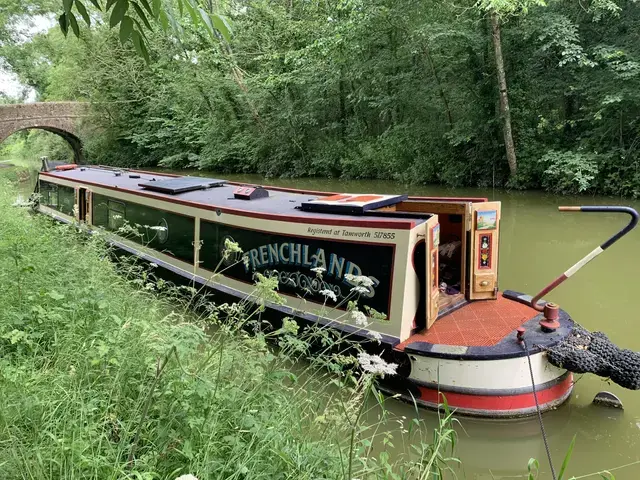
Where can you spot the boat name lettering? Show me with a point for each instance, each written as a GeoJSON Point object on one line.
{"type": "Point", "coordinates": [315, 284]}
{"type": "Point", "coordinates": [302, 255]}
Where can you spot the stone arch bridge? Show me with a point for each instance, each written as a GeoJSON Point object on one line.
{"type": "Point", "coordinates": [62, 118]}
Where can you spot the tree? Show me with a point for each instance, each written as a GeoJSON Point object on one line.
{"type": "Point", "coordinates": [497, 9]}
{"type": "Point", "coordinates": [390, 89]}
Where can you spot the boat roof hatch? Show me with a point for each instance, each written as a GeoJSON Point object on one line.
{"type": "Point", "coordinates": [181, 184]}
{"type": "Point", "coordinates": [351, 203]}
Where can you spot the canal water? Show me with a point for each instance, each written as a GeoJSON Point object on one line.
{"type": "Point", "coordinates": [537, 244]}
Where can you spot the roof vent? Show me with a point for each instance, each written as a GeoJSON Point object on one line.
{"type": "Point", "coordinates": [351, 203]}
{"type": "Point", "coordinates": [177, 185]}
{"type": "Point", "coordinates": [248, 192]}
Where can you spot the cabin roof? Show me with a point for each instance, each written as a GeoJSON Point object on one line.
{"type": "Point", "coordinates": [281, 201]}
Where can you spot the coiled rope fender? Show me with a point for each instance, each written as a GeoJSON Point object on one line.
{"type": "Point", "coordinates": [586, 352]}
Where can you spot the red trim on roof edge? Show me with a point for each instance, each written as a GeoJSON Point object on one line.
{"type": "Point", "coordinates": [400, 225]}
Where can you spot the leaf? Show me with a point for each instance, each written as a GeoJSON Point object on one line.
{"type": "Point", "coordinates": [567, 457]}
{"type": "Point", "coordinates": [147, 7]}
{"type": "Point", "coordinates": [126, 27]}
{"type": "Point", "coordinates": [176, 27]}
{"type": "Point", "coordinates": [117, 14]}
{"type": "Point", "coordinates": [138, 44]}
{"type": "Point", "coordinates": [157, 5]}
{"type": "Point", "coordinates": [55, 295]}
{"type": "Point", "coordinates": [164, 21]}
{"type": "Point", "coordinates": [140, 29]}
{"type": "Point", "coordinates": [82, 10]}
{"type": "Point", "coordinates": [64, 23]}
{"type": "Point", "coordinates": [532, 466]}
{"type": "Point", "coordinates": [222, 25]}
{"type": "Point", "coordinates": [109, 4]}
{"type": "Point", "coordinates": [96, 4]}
{"type": "Point", "coordinates": [207, 22]}
{"type": "Point", "coordinates": [141, 14]}
{"type": "Point", "coordinates": [74, 24]}
{"type": "Point", "coordinates": [192, 11]}
{"type": "Point", "coordinates": [67, 5]}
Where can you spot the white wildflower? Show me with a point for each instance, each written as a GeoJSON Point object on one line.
{"type": "Point", "coordinates": [187, 477]}
{"type": "Point", "coordinates": [376, 365]}
{"type": "Point", "coordinates": [116, 217]}
{"type": "Point", "coordinates": [153, 265]}
{"type": "Point", "coordinates": [158, 228]}
{"type": "Point", "coordinates": [359, 318]}
{"type": "Point", "coordinates": [20, 202]}
{"type": "Point", "coordinates": [231, 246]}
{"type": "Point", "coordinates": [319, 270]}
{"type": "Point", "coordinates": [377, 336]}
{"type": "Point", "coordinates": [360, 290]}
{"type": "Point", "coordinates": [329, 294]}
{"type": "Point", "coordinates": [359, 280]}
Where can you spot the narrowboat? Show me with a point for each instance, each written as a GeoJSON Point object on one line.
{"type": "Point", "coordinates": [431, 297]}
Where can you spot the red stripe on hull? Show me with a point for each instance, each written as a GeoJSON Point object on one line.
{"type": "Point", "coordinates": [501, 405]}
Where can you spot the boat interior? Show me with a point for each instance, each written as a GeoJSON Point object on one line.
{"type": "Point", "coordinates": [452, 248]}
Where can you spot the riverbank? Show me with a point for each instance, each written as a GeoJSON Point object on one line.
{"type": "Point", "coordinates": [108, 374]}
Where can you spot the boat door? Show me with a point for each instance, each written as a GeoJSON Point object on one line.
{"type": "Point", "coordinates": [83, 202]}
{"type": "Point", "coordinates": [432, 284]}
{"type": "Point", "coordinates": [483, 257]}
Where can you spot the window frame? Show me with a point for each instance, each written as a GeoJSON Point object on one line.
{"type": "Point", "coordinates": [112, 223]}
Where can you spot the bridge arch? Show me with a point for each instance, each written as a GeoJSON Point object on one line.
{"type": "Point", "coordinates": [61, 118]}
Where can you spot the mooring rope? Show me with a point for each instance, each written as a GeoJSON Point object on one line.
{"type": "Point", "coordinates": [535, 397]}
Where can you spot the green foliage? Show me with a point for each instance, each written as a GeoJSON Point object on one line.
{"type": "Point", "coordinates": [396, 90]}
{"type": "Point", "coordinates": [28, 146]}
{"type": "Point", "coordinates": [567, 457]}
{"type": "Point", "coordinates": [133, 18]}
{"type": "Point", "coordinates": [569, 172]}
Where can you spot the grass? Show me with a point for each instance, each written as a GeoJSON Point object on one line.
{"type": "Point", "coordinates": [108, 374]}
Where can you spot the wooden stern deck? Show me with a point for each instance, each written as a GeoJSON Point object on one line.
{"type": "Point", "coordinates": [476, 324]}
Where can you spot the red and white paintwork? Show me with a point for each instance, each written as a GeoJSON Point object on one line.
{"type": "Point", "coordinates": [489, 388]}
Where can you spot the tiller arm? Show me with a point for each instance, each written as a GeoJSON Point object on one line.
{"type": "Point", "coordinates": [552, 309]}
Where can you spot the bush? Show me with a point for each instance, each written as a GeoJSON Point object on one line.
{"type": "Point", "coordinates": [569, 172]}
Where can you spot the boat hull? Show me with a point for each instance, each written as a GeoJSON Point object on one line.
{"type": "Point", "coordinates": [500, 388]}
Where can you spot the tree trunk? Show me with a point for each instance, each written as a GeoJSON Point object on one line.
{"type": "Point", "coordinates": [505, 113]}
{"type": "Point", "coordinates": [440, 88]}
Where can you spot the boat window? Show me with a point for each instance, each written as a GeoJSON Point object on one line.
{"type": "Point", "coordinates": [58, 197]}
{"type": "Point", "coordinates": [49, 192]}
{"type": "Point", "coordinates": [66, 199]}
{"type": "Point", "coordinates": [163, 232]}
{"type": "Point", "coordinates": [175, 238]}
{"type": "Point", "coordinates": [116, 214]}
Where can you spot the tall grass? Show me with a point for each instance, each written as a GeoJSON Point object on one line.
{"type": "Point", "coordinates": [108, 375]}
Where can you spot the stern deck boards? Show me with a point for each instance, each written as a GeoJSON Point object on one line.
{"type": "Point", "coordinates": [478, 324]}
